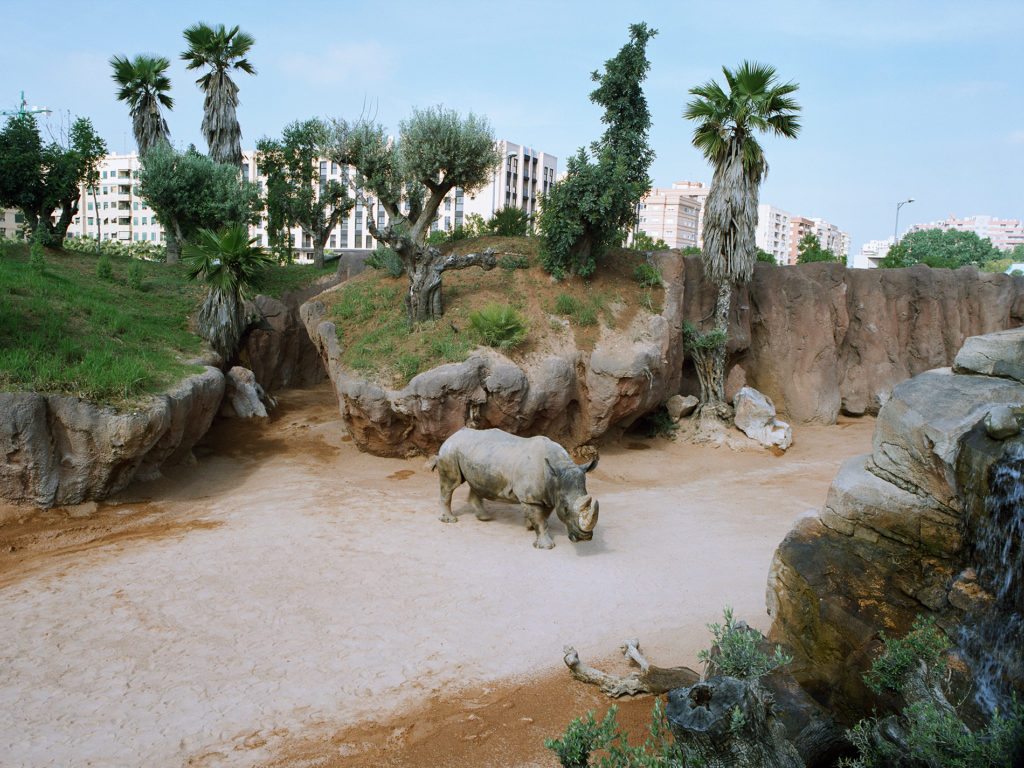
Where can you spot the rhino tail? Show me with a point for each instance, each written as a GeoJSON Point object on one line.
{"type": "Point", "coordinates": [432, 463]}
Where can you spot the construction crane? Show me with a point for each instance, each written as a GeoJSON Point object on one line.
{"type": "Point", "coordinates": [24, 109]}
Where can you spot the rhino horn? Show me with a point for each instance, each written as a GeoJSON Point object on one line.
{"type": "Point", "coordinates": [588, 513]}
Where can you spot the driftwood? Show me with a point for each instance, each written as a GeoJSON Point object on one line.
{"type": "Point", "coordinates": [647, 679]}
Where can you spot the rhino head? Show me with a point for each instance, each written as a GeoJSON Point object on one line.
{"type": "Point", "coordinates": [579, 513]}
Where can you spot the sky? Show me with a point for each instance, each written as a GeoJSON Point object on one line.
{"type": "Point", "coordinates": [921, 100]}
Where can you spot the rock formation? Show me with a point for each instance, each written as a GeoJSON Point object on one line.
{"type": "Point", "coordinates": [893, 540]}
{"type": "Point", "coordinates": [62, 450]}
{"type": "Point", "coordinates": [755, 417]}
{"type": "Point", "coordinates": [815, 338]}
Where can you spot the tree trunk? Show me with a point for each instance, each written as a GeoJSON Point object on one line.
{"type": "Point", "coordinates": [424, 265]}
{"type": "Point", "coordinates": [729, 722]}
{"type": "Point", "coordinates": [717, 383]}
{"type": "Point", "coordinates": [318, 255]}
{"type": "Point", "coordinates": [221, 322]}
{"type": "Point", "coordinates": [175, 240]}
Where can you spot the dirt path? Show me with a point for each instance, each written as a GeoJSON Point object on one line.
{"type": "Point", "coordinates": [291, 602]}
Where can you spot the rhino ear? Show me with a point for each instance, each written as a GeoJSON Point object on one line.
{"type": "Point", "coordinates": [590, 466]}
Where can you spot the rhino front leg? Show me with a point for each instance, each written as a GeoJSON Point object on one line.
{"type": "Point", "coordinates": [537, 520]}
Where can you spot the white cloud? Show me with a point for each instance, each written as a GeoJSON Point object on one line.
{"type": "Point", "coordinates": [1016, 138]}
{"type": "Point", "coordinates": [369, 63]}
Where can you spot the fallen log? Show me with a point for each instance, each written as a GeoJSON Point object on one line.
{"type": "Point", "coordinates": [647, 679]}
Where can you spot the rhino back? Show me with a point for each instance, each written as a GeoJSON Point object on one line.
{"type": "Point", "coordinates": [498, 465]}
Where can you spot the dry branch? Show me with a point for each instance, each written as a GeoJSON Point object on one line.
{"type": "Point", "coordinates": [648, 679]}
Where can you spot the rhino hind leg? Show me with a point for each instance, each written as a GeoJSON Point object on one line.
{"type": "Point", "coordinates": [537, 520]}
{"type": "Point", "coordinates": [449, 482]}
{"type": "Point", "coordinates": [478, 506]}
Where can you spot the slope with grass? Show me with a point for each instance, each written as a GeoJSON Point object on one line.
{"type": "Point", "coordinates": [596, 354]}
{"type": "Point", "coordinates": [101, 379]}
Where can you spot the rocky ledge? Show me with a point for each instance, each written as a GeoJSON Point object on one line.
{"type": "Point", "coordinates": [893, 539]}
{"type": "Point", "coordinates": [815, 338]}
{"type": "Point", "coordinates": [63, 450]}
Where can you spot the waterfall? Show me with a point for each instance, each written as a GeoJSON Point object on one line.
{"type": "Point", "coordinates": [993, 639]}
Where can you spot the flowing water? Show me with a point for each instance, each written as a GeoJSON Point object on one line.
{"type": "Point", "coordinates": [993, 642]}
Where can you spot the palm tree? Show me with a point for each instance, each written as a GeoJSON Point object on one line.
{"type": "Point", "coordinates": [228, 262]}
{"type": "Point", "coordinates": [144, 85]}
{"type": "Point", "coordinates": [222, 51]}
{"type": "Point", "coordinates": [726, 124]}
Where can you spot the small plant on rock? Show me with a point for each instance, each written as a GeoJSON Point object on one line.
{"type": "Point", "coordinates": [924, 643]}
{"type": "Point", "coordinates": [738, 653]}
{"type": "Point", "coordinates": [647, 275]}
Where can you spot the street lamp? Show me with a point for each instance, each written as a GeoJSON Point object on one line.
{"type": "Point", "coordinates": [895, 229]}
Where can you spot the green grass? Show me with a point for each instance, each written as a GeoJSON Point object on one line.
{"type": "Point", "coordinates": [110, 332]}
{"type": "Point", "coordinates": [292, 277]}
{"type": "Point", "coordinates": [374, 337]}
{"type": "Point", "coordinates": [584, 312]}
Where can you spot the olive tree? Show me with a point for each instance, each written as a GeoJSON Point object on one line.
{"type": "Point", "coordinates": [296, 193]}
{"type": "Point", "coordinates": [435, 151]}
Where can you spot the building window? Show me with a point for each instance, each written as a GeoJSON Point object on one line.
{"type": "Point", "coordinates": [334, 241]}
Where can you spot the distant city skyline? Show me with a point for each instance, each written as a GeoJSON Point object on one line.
{"type": "Point", "coordinates": [891, 95]}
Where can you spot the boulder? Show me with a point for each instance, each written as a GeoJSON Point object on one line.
{"type": "Point", "coordinates": [679, 406]}
{"type": "Point", "coordinates": [994, 354]}
{"type": "Point", "coordinates": [894, 538]}
{"type": "Point", "coordinates": [62, 450]}
{"type": "Point", "coordinates": [1001, 422]}
{"type": "Point", "coordinates": [755, 417]}
{"type": "Point", "coordinates": [244, 398]}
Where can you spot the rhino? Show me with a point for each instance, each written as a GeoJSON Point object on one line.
{"type": "Point", "coordinates": [534, 471]}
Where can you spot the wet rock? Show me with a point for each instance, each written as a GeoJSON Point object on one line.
{"type": "Point", "coordinates": [1001, 422]}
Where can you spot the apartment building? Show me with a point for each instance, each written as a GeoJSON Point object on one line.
{"type": "Point", "coordinates": [12, 224]}
{"type": "Point", "coordinates": [1005, 234]}
{"type": "Point", "coordinates": [871, 253]}
{"type": "Point", "coordinates": [675, 214]}
{"type": "Point", "coordinates": [780, 232]}
{"type": "Point", "coordinates": [522, 179]}
{"type": "Point", "coordinates": [114, 210]}
{"type": "Point", "coordinates": [774, 231]}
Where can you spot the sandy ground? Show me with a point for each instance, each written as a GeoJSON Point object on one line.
{"type": "Point", "coordinates": [289, 601]}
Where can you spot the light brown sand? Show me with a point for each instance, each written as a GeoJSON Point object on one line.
{"type": "Point", "coordinates": [291, 602]}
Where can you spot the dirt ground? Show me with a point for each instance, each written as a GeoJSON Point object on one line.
{"type": "Point", "coordinates": [288, 601]}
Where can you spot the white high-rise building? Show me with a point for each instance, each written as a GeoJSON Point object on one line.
{"type": "Point", "coordinates": [870, 254]}
{"type": "Point", "coordinates": [116, 211]}
{"type": "Point", "coordinates": [773, 232]}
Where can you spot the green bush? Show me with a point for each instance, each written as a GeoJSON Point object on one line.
{"type": "Point", "coordinates": [386, 260]}
{"type": "Point", "coordinates": [695, 341]}
{"type": "Point", "coordinates": [509, 221]}
{"type": "Point", "coordinates": [104, 269]}
{"type": "Point", "coordinates": [510, 262]}
{"type": "Point", "coordinates": [585, 735]}
{"type": "Point", "coordinates": [647, 275]}
{"type": "Point", "coordinates": [581, 313]}
{"type": "Point", "coordinates": [500, 326]}
{"type": "Point", "coordinates": [924, 643]}
{"type": "Point", "coordinates": [738, 652]}
{"type": "Point", "coordinates": [36, 261]}
{"type": "Point", "coordinates": [437, 237]}
{"type": "Point", "coordinates": [135, 275]}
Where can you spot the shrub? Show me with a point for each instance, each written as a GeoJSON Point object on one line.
{"type": "Point", "coordinates": [581, 313]}
{"type": "Point", "coordinates": [738, 652]}
{"type": "Point", "coordinates": [924, 643]}
{"type": "Point", "coordinates": [500, 326]}
{"type": "Point", "coordinates": [104, 269]}
{"type": "Point", "coordinates": [585, 735]}
{"type": "Point", "coordinates": [135, 275]}
{"type": "Point", "coordinates": [437, 237]}
{"type": "Point", "coordinates": [512, 262]}
{"type": "Point", "coordinates": [385, 259]}
{"type": "Point", "coordinates": [695, 341]}
{"type": "Point", "coordinates": [510, 221]}
{"type": "Point", "coordinates": [35, 258]}
{"type": "Point", "coordinates": [647, 275]}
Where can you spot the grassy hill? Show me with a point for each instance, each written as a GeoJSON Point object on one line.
{"type": "Point", "coordinates": [111, 339]}
{"type": "Point", "coordinates": [369, 310]}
